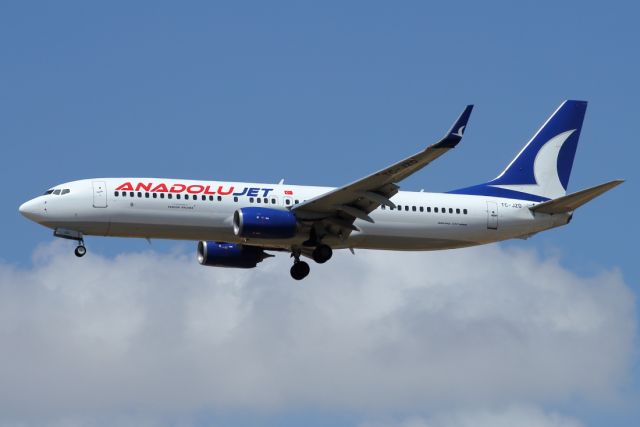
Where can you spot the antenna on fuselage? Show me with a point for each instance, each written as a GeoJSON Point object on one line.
{"type": "Point", "coordinates": [281, 181]}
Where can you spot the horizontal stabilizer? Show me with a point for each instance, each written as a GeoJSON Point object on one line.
{"type": "Point", "coordinates": [573, 201]}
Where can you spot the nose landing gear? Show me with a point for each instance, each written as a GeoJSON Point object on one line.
{"type": "Point", "coordinates": [80, 250]}
{"type": "Point", "coordinates": [63, 233]}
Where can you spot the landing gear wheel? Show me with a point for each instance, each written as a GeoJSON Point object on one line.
{"type": "Point", "coordinates": [80, 251]}
{"type": "Point", "coordinates": [300, 270]}
{"type": "Point", "coordinates": [322, 254]}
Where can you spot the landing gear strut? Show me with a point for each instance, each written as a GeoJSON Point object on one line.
{"type": "Point", "coordinates": [300, 269]}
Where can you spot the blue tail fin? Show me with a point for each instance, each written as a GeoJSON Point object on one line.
{"type": "Point", "coordinates": [542, 168]}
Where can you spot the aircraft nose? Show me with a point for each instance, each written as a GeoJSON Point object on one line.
{"type": "Point", "coordinates": [31, 210]}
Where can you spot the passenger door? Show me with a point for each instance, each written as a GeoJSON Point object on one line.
{"type": "Point", "coordinates": [99, 194]}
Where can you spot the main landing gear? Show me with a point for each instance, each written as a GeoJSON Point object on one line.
{"type": "Point", "coordinates": [300, 269]}
{"type": "Point", "coordinates": [322, 253]}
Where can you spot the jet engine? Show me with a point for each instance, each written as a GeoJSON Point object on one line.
{"type": "Point", "coordinates": [219, 254]}
{"type": "Point", "coordinates": [264, 223]}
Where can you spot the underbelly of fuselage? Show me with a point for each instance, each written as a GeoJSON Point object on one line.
{"type": "Point", "coordinates": [368, 240]}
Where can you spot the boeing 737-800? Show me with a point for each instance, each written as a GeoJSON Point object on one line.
{"type": "Point", "coordinates": [237, 223]}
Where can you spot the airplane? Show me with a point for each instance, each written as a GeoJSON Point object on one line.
{"type": "Point", "coordinates": [236, 223]}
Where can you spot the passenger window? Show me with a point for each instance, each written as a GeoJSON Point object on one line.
{"type": "Point", "coordinates": [457, 211]}
{"type": "Point", "coordinates": [273, 201]}
{"type": "Point", "coordinates": [155, 195]}
{"type": "Point", "coordinates": [464, 211]}
{"type": "Point", "coordinates": [235, 199]}
{"type": "Point", "coordinates": [178, 196]}
{"type": "Point", "coordinates": [444, 210]}
{"type": "Point", "coordinates": [450, 210]}
{"type": "Point", "coordinates": [146, 195]}
{"type": "Point", "coordinates": [169, 196]}
{"type": "Point", "coordinates": [428, 208]}
{"type": "Point", "coordinates": [140, 194]}
{"type": "Point", "coordinates": [219, 198]}
{"type": "Point", "coordinates": [435, 210]}
{"type": "Point", "coordinates": [421, 209]}
{"type": "Point", "coordinates": [115, 193]}
{"type": "Point", "coordinates": [406, 208]}
{"type": "Point", "coordinates": [258, 200]}
{"type": "Point", "coordinates": [383, 207]}
{"type": "Point", "coordinates": [204, 198]}
{"type": "Point", "coordinates": [297, 201]}
{"type": "Point", "coordinates": [56, 192]}
{"type": "Point", "coordinates": [162, 195]}
{"type": "Point", "coordinates": [413, 208]}
{"type": "Point", "coordinates": [266, 200]}
{"type": "Point", "coordinates": [124, 194]}
{"type": "Point", "coordinates": [131, 194]}
{"type": "Point", "coordinates": [287, 202]}
{"type": "Point", "coordinates": [250, 199]}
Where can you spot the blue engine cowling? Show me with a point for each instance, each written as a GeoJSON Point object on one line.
{"type": "Point", "coordinates": [264, 223]}
{"type": "Point", "coordinates": [219, 254]}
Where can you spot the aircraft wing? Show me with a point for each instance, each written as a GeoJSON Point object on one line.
{"type": "Point", "coordinates": [340, 207]}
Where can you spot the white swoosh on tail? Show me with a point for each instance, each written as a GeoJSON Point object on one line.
{"type": "Point", "coordinates": [545, 169]}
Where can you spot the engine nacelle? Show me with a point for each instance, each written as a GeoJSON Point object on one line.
{"type": "Point", "coordinates": [219, 254]}
{"type": "Point", "coordinates": [264, 223]}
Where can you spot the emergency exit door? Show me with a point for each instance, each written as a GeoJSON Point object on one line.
{"type": "Point", "coordinates": [99, 194]}
{"type": "Point", "coordinates": [492, 215]}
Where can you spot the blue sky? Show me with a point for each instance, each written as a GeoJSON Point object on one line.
{"type": "Point", "coordinates": [322, 93]}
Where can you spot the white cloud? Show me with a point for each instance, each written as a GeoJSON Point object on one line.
{"type": "Point", "coordinates": [378, 331]}
{"type": "Point", "coordinates": [514, 415]}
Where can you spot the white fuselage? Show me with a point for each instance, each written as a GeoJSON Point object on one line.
{"type": "Point", "coordinates": [203, 210]}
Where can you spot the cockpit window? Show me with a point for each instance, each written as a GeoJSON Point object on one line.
{"type": "Point", "coordinates": [65, 191]}
{"type": "Point", "coordinates": [48, 192]}
{"type": "Point", "coordinates": [56, 192]}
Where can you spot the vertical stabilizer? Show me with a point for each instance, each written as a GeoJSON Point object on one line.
{"type": "Point", "coordinates": [541, 170]}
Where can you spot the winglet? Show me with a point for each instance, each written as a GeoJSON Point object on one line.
{"type": "Point", "coordinates": [453, 137]}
